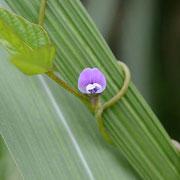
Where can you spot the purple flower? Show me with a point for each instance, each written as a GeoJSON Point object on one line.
{"type": "Point", "coordinates": [91, 81]}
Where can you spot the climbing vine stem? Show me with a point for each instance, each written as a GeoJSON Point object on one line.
{"type": "Point", "coordinates": [93, 102]}
{"type": "Point", "coordinates": [100, 108]}
{"type": "Point", "coordinates": [42, 12]}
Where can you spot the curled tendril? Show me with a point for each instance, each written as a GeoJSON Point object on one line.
{"type": "Point", "coordinates": [101, 108]}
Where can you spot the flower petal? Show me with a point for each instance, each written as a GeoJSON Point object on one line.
{"type": "Point", "coordinates": [85, 78]}
{"type": "Point", "coordinates": [98, 77]}
{"type": "Point", "coordinates": [93, 88]}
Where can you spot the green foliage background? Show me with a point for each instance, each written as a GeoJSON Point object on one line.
{"type": "Point", "coordinates": [142, 34]}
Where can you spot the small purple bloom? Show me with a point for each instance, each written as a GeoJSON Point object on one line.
{"type": "Point", "coordinates": [91, 81]}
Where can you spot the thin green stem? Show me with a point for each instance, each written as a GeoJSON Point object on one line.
{"type": "Point", "coordinates": [100, 108]}
{"type": "Point", "coordinates": [98, 115]}
{"type": "Point", "coordinates": [42, 12]}
{"type": "Point", "coordinates": [82, 97]}
{"type": "Point", "coordinates": [102, 130]}
{"type": "Point", "coordinates": [127, 78]}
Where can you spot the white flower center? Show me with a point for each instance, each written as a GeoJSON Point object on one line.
{"type": "Point", "coordinates": [93, 88]}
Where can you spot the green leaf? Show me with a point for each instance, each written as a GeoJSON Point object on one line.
{"type": "Point", "coordinates": [27, 41]}
{"type": "Point", "coordinates": [37, 61]}
{"type": "Point", "coordinates": [19, 35]}
{"type": "Point", "coordinates": [51, 134]}
{"type": "Point", "coordinates": [130, 123]}
{"type": "Point", "coordinates": [8, 169]}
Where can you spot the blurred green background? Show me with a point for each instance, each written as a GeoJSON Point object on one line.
{"type": "Point", "coordinates": [145, 34]}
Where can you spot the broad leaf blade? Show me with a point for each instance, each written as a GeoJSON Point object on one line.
{"type": "Point", "coordinates": [37, 61]}
{"type": "Point", "coordinates": [8, 169]}
{"type": "Point", "coordinates": [51, 134]}
{"type": "Point", "coordinates": [18, 35]}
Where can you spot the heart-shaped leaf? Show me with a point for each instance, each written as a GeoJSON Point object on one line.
{"type": "Point", "coordinates": [19, 35]}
